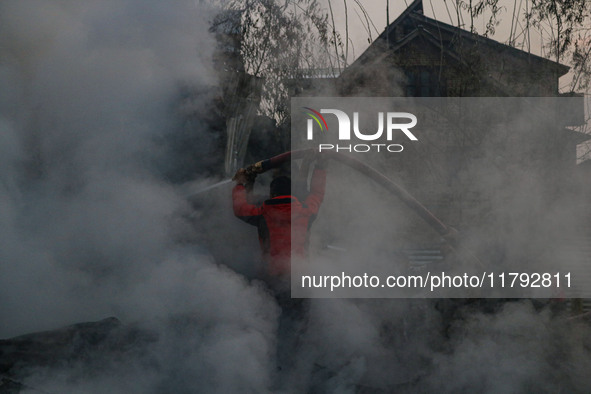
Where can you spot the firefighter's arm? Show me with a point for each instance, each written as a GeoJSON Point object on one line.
{"type": "Point", "coordinates": [250, 213]}
{"type": "Point", "coordinates": [242, 208]}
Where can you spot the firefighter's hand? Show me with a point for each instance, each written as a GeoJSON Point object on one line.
{"type": "Point", "coordinates": [254, 169]}
{"type": "Point", "coordinates": [240, 177]}
{"type": "Point", "coordinates": [244, 177]}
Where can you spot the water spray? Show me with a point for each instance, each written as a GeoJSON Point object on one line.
{"type": "Point", "coordinates": [192, 193]}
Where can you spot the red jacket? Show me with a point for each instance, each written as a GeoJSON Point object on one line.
{"type": "Point", "coordinates": [275, 219]}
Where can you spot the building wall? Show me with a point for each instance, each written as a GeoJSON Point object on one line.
{"type": "Point", "coordinates": [483, 180]}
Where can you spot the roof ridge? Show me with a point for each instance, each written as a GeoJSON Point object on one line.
{"type": "Point", "coordinates": [476, 37]}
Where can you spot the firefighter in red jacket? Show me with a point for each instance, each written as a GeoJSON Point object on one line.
{"type": "Point", "coordinates": [283, 221]}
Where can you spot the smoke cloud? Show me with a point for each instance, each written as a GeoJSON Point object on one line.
{"type": "Point", "coordinates": [88, 92]}
{"type": "Point", "coordinates": [90, 228]}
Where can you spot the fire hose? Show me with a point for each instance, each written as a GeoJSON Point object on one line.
{"type": "Point", "coordinates": [445, 231]}
{"type": "Point", "coordinates": [448, 233]}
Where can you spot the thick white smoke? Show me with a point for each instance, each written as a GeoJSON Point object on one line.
{"type": "Point", "coordinates": [89, 229]}
{"type": "Point", "coordinates": [88, 88]}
